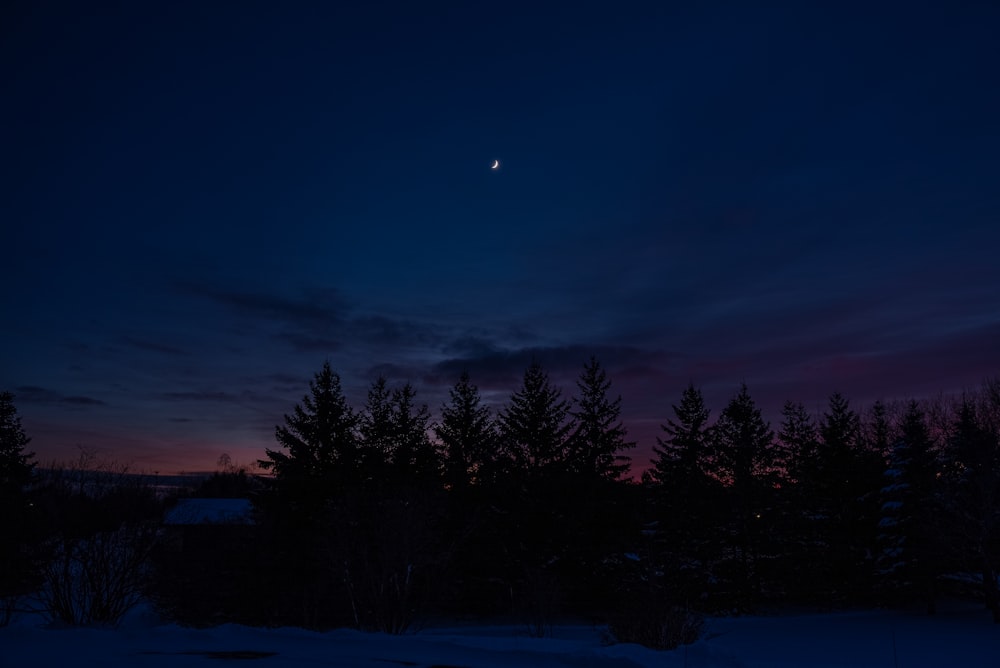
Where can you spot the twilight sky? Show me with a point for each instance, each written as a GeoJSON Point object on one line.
{"type": "Point", "coordinates": [202, 202]}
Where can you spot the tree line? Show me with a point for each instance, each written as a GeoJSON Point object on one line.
{"type": "Point", "coordinates": [376, 517]}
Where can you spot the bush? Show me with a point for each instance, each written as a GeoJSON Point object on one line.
{"type": "Point", "coordinates": [97, 579]}
{"type": "Point", "coordinates": [663, 628]}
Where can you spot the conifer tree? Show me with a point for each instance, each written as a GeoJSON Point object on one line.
{"type": "Point", "coordinates": [16, 465]}
{"type": "Point", "coordinates": [835, 477]}
{"type": "Point", "coordinates": [683, 528]}
{"type": "Point", "coordinates": [910, 555]}
{"type": "Point", "coordinates": [468, 434]}
{"type": "Point", "coordinates": [394, 431]}
{"type": "Point", "coordinates": [879, 432]}
{"type": "Point", "coordinates": [681, 455]}
{"type": "Point", "coordinates": [599, 436]}
{"type": "Point", "coordinates": [973, 475]}
{"type": "Point", "coordinates": [745, 460]}
{"type": "Point", "coordinates": [534, 427]}
{"type": "Point", "coordinates": [840, 426]}
{"type": "Point", "coordinates": [377, 429]}
{"type": "Point", "coordinates": [18, 525]}
{"type": "Point", "coordinates": [413, 455]}
{"type": "Point", "coordinates": [744, 453]}
{"type": "Point", "coordinates": [842, 505]}
{"type": "Point", "coordinates": [320, 436]}
{"type": "Point", "coordinates": [534, 489]}
{"type": "Point", "coordinates": [799, 439]}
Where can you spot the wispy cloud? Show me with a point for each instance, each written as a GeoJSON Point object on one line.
{"type": "Point", "coordinates": [31, 394]}
{"type": "Point", "coordinates": [152, 346]}
{"type": "Point", "coordinates": [315, 306]}
{"type": "Point", "coordinates": [494, 367]}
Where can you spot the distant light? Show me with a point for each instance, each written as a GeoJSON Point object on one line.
{"type": "Point", "coordinates": [496, 165]}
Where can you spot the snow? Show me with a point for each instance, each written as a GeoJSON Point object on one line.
{"type": "Point", "coordinates": [209, 511]}
{"type": "Point", "coordinates": [960, 635]}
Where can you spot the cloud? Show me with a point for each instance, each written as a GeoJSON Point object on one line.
{"type": "Point", "coordinates": [382, 330]}
{"type": "Point", "coordinates": [471, 346]}
{"type": "Point", "coordinates": [305, 343]}
{"type": "Point", "coordinates": [82, 401]}
{"type": "Point", "coordinates": [315, 306]}
{"type": "Point", "coordinates": [31, 394]}
{"type": "Point", "coordinates": [152, 346]}
{"type": "Point", "coordinates": [213, 396]}
{"type": "Point", "coordinates": [494, 367]}
{"type": "Point", "coordinates": [320, 319]}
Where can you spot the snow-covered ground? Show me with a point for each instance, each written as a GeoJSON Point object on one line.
{"type": "Point", "coordinates": [961, 635]}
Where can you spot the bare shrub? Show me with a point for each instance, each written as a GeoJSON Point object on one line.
{"type": "Point", "coordinates": [8, 606]}
{"type": "Point", "coordinates": [539, 601]}
{"type": "Point", "coordinates": [387, 551]}
{"type": "Point", "coordinates": [658, 628]}
{"type": "Point", "coordinates": [97, 579]}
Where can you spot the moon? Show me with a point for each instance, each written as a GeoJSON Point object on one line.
{"type": "Point", "coordinates": [495, 165]}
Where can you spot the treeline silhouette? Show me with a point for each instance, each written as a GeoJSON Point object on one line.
{"type": "Point", "coordinates": [377, 518]}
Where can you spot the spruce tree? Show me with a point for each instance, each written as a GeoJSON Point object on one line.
{"type": "Point", "coordinates": [534, 427]}
{"type": "Point", "coordinates": [468, 434]}
{"type": "Point", "coordinates": [377, 430]}
{"type": "Point", "coordinates": [16, 465]}
{"type": "Point", "coordinates": [320, 436]}
{"type": "Point", "coordinates": [879, 434]}
{"type": "Point", "coordinates": [18, 523]}
{"type": "Point", "coordinates": [842, 503]}
{"type": "Point", "coordinates": [686, 514]}
{"type": "Point", "coordinates": [745, 460]}
{"type": "Point", "coordinates": [973, 498]}
{"type": "Point", "coordinates": [599, 437]}
{"type": "Point", "coordinates": [799, 439]}
{"type": "Point", "coordinates": [910, 556]}
{"type": "Point", "coordinates": [745, 456]}
{"type": "Point", "coordinates": [534, 521]}
{"type": "Point", "coordinates": [414, 456]}
{"type": "Point", "coordinates": [679, 456]}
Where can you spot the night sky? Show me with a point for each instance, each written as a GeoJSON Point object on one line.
{"type": "Point", "coordinates": [201, 202]}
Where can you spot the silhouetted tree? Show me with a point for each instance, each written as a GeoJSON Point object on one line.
{"type": "Point", "coordinates": [685, 503]}
{"type": "Point", "coordinates": [679, 457]}
{"type": "Point", "coordinates": [413, 455]}
{"type": "Point", "coordinates": [973, 478]}
{"type": "Point", "coordinates": [397, 449]}
{"type": "Point", "coordinates": [16, 464]}
{"type": "Point", "coordinates": [878, 431]}
{"type": "Point", "coordinates": [467, 432]}
{"type": "Point", "coordinates": [534, 427]}
{"type": "Point", "coordinates": [909, 526]}
{"type": "Point", "coordinates": [320, 436]}
{"type": "Point", "coordinates": [322, 465]}
{"type": "Point", "coordinates": [18, 530]}
{"type": "Point", "coordinates": [841, 504]}
{"type": "Point", "coordinates": [746, 461]}
{"type": "Point", "coordinates": [744, 454]}
{"type": "Point", "coordinates": [376, 426]}
{"type": "Point", "coordinates": [383, 541]}
{"type": "Point", "coordinates": [799, 438]}
{"type": "Point", "coordinates": [599, 438]}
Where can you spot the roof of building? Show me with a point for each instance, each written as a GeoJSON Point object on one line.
{"type": "Point", "coordinates": [210, 511]}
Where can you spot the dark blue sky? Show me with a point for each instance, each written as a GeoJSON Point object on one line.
{"type": "Point", "coordinates": [201, 202]}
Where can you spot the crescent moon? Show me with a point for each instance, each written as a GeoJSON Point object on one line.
{"type": "Point", "coordinates": [496, 163]}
